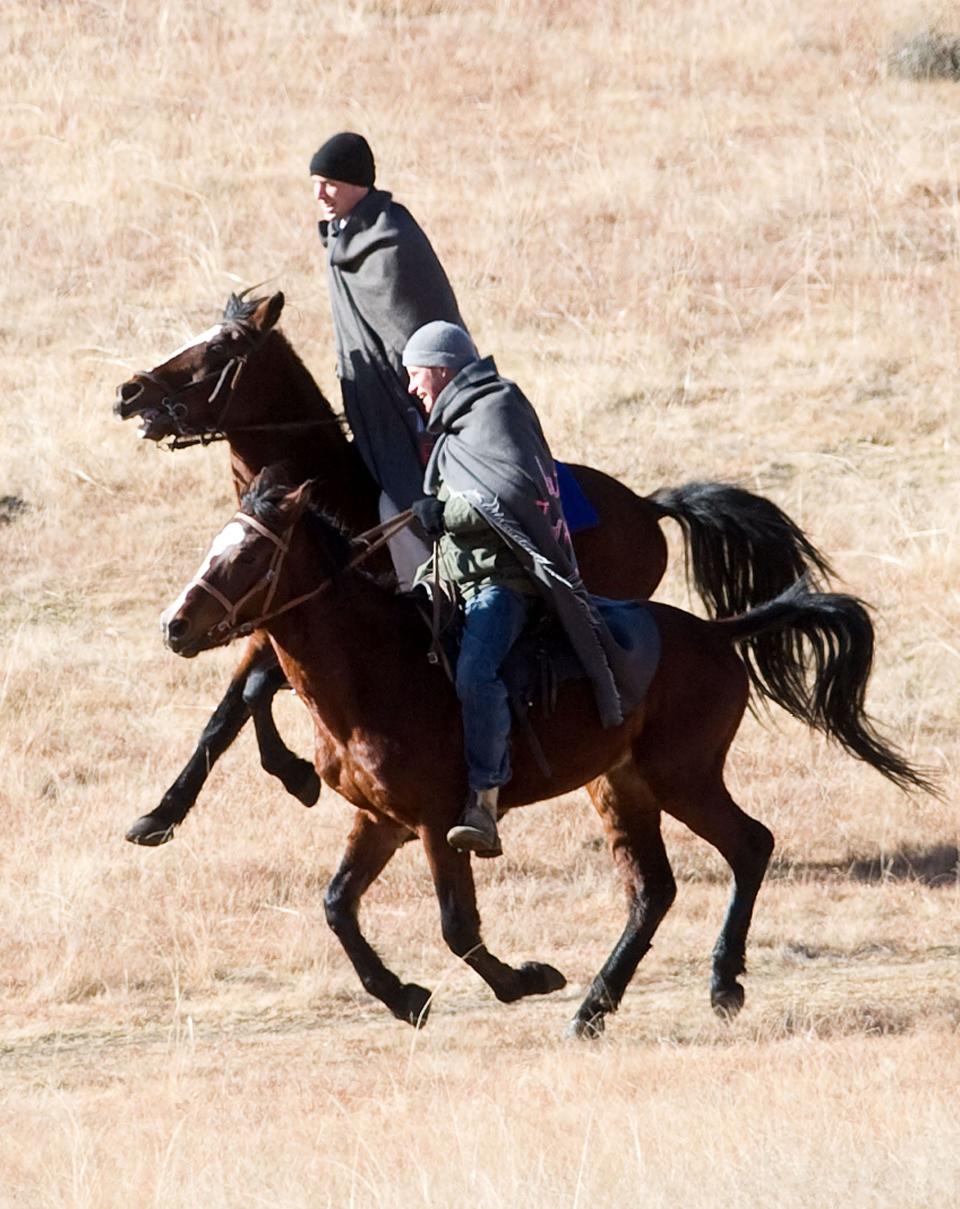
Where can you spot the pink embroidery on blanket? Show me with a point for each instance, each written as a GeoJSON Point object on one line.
{"type": "Point", "coordinates": [551, 504]}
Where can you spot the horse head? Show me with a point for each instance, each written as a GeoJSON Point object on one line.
{"type": "Point", "coordinates": [188, 397]}
{"type": "Point", "coordinates": [241, 580]}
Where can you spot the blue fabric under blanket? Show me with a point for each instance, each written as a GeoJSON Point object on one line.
{"type": "Point", "coordinates": [578, 512]}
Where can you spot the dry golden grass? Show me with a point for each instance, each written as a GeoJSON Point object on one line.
{"type": "Point", "coordinates": [710, 239]}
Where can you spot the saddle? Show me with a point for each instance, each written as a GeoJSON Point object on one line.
{"type": "Point", "coordinates": [542, 660]}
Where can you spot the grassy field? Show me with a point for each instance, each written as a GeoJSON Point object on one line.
{"type": "Point", "coordinates": [712, 239]}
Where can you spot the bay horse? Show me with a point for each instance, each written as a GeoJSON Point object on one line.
{"type": "Point", "coordinates": [242, 381]}
{"type": "Point", "coordinates": [389, 739]}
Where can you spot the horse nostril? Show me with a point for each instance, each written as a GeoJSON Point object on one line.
{"type": "Point", "coordinates": [127, 393]}
{"type": "Point", "coordinates": [177, 627]}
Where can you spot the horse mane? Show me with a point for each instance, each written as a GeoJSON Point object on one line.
{"type": "Point", "coordinates": [239, 307]}
{"type": "Point", "coordinates": [238, 310]}
{"type": "Point", "coordinates": [327, 532]}
{"type": "Point", "coordinates": [263, 497]}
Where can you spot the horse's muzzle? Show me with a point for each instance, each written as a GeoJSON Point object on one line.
{"type": "Point", "coordinates": [129, 395]}
{"type": "Point", "coordinates": [176, 637]}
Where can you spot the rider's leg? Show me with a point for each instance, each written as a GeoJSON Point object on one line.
{"type": "Point", "coordinates": [493, 620]}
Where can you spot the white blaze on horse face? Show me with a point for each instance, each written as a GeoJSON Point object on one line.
{"type": "Point", "coordinates": [231, 535]}
{"type": "Point", "coordinates": [196, 341]}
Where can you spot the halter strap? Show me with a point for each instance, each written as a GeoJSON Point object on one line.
{"type": "Point", "coordinates": [228, 627]}
{"type": "Point", "coordinates": [173, 396]}
{"type": "Point", "coordinates": [259, 527]}
{"type": "Point", "coordinates": [183, 437]}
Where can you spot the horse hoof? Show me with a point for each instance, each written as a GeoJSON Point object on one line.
{"type": "Point", "coordinates": [727, 1001]}
{"type": "Point", "coordinates": [149, 833]}
{"type": "Point", "coordinates": [414, 1007]}
{"type": "Point", "coordinates": [589, 1028]}
{"type": "Point", "coordinates": [542, 979]}
{"type": "Point", "coordinates": [306, 787]}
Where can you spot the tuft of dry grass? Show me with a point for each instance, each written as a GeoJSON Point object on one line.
{"type": "Point", "coordinates": [711, 240]}
{"type": "Point", "coordinates": [928, 55]}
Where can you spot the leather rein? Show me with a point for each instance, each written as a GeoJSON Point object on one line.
{"type": "Point", "coordinates": [229, 628]}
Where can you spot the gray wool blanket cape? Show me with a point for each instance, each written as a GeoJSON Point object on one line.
{"type": "Point", "coordinates": [490, 448]}
{"type": "Point", "coordinates": [385, 282]}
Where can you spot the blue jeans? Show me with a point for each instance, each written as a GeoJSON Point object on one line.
{"type": "Point", "coordinates": [493, 621]}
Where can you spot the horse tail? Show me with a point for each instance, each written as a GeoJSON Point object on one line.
{"type": "Point", "coordinates": [740, 548]}
{"type": "Point", "coordinates": [819, 673]}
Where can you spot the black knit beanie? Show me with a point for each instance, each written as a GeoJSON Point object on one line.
{"type": "Point", "coordinates": [345, 157]}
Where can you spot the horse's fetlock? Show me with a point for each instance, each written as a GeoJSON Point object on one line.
{"type": "Point", "coordinates": [727, 966]}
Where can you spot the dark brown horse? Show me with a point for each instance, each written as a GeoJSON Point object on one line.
{"type": "Point", "coordinates": [388, 738]}
{"type": "Point", "coordinates": [241, 381]}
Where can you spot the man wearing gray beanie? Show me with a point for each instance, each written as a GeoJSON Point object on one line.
{"type": "Point", "coordinates": [385, 282]}
{"type": "Point", "coordinates": [493, 506]}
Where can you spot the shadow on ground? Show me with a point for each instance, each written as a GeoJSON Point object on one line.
{"type": "Point", "coordinates": [938, 865]}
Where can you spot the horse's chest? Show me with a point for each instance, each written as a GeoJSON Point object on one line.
{"type": "Point", "coordinates": [365, 769]}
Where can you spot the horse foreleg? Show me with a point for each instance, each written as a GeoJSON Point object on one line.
{"type": "Point", "coordinates": [460, 924]}
{"type": "Point", "coordinates": [370, 846]}
{"type": "Point", "coordinates": [631, 819]}
{"type": "Point", "coordinates": [224, 726]}
{"type": "Point", "coordinates": [299, 776]}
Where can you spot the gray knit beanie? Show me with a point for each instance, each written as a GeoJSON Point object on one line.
{"type": "Point", "coordinates": [440, 344]}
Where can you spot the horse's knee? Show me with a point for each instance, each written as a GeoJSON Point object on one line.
{"type": "Point", "coordinates": [666, 891]}
{"type": "Point", "coordinates": [336, 907]}
{"type": "Point", "coordinates": [261, 686]}
{"type": "Point", "coordinates": [657, 897]}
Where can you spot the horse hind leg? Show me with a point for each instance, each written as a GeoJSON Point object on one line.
{"type": "Point", "coordinates": [460, 924]}
{"type": "Point", "coordinates": [631, 818]}
{"type": "Point", "coordinates": [746, 845]}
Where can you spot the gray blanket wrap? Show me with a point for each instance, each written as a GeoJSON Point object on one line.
{"type": "Point", "coordinates": [489, 447]}
{"type": "Point", "coordinates": [385, 282]}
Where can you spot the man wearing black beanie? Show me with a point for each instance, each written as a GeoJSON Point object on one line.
{"type": "Point", "coordinates": [385, 282]}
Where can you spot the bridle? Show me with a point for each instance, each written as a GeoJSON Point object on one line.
{"type": "Point", "coordinates": [229, 627]}
{"type": "Point", "coordinates": [174, 406]}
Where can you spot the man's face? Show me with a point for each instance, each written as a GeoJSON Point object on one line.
{"type": "Point", "coordinates": [427, 381]}
{"type": "Point", "coordinates": [336, 198]}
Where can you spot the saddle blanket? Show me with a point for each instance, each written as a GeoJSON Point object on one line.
{"type": "Point", "coordinates": [542, 658]}
{"type": "Point", "coordinates": [578, 512]}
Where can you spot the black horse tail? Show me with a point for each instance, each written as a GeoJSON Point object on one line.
{"type": "Point", "coordinates": [740, 548]}
{"type": "Point", "coordinates": [820, 676]}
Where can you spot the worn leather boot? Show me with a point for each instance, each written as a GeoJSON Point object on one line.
{"type": "Point", "coordinates": [477, 830]}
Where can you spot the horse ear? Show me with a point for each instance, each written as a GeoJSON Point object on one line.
{"type": "Point", "coordinates": [268, 312]}
{"type": "Point", "coordinates": [272, 477]}
{"type": "Point", "coordinates": [297, 500]}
